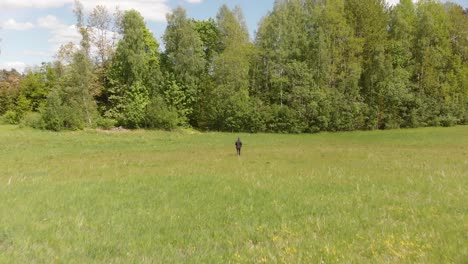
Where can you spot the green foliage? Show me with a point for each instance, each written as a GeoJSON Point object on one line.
{"type": "Point", "coordinates": [232, 28]}
{"type": "Point", "coordinates": [161, 116]}
{"type": "Point", "coordinates": [314, 66]}
{"type": "Point", "coordinates": [52, 112]}
{"type": "Point", "coordinates": [58, 115]}
{"type": "Point", "coordinates": [179, 97]}
{"type": "Point", "coordinates": [361, 70]}
{"type": "Point", "coordinates": [32, 119]}
{"type": "Point", "coordinates": [447, 120]}
{"type": "Point", "coordinates": [284, 120]}
{"type": "Point", "coordinates": [134, 75]}
{"type": "Point", "coordinates": [106, 123]}
{"type": "Point", "coordinates": [129, 61]}
{"type": "Point", "coordinates": [230, 105]}
{"type": "Point", "coordinates": [70, 104]}
{"type": "Point", "coordinates": [7, 100]}
{"type": "Point", "coordinates": [77, 93]}
{"type": "Point", "coordinates": [185, 58]}
{"type": "Point", "coordinates": [184, 47]}
{"type": "Point", "coordinates": [10, 117]}
{"type": "Point", "coordinates": [23, 105]}
{"type": "Point", "coordinates": [35, 88]}
{"type": "Point", "coordinates": [153, 76]}
{"type": "Point", "coordinates": [210, 37]}
{"type": "Point", "coordinates": [15, 115]}
{"type": "Point", "coordinates": [9, 90]}
{"type": "Point", "coordinates": [134, 105]}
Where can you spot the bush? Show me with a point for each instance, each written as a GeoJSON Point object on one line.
{"type": "Point", "coordinates": [106, 123]}
{"type": "Point", "coordinates": [135, 102]}
{"type": "Point", "coordinates": [255, 119]}
{"type": "Point", "coordinates": [159, 115]}
{"type": "Point", "coordinates": [284, 120]}
{"type": "Point", "coordinates": [33, 120]}
{"type": "Point", "coordinates": [447, 120]}
{"type": "Point", "coordinates": [52, 113]}
{"type": "Point", "coordinates": [58, 116]}
{"type": "Point", "coordinates": [10, 117]}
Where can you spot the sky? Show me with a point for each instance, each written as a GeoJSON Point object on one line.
{"type": "Point", "coordinates": [31, 31]}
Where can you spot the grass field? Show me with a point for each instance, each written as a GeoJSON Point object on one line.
{"type": "Point", "coordinates": [158, 197]}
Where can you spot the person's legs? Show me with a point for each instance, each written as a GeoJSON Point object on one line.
{"type": "Point", "coordinates": [238, 151]}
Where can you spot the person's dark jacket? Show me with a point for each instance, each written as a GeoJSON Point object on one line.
{"type": "Point", "coordinates": [238, 144]}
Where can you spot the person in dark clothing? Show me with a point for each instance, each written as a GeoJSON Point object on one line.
{"type": "Point", "coordinates": [238, 146]}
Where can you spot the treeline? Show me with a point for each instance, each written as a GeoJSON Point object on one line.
{"type": "Point", "coordinates": [314, 65]}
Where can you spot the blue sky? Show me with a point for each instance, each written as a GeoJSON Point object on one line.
{"type": "Point", "coordinates": [32, 30]}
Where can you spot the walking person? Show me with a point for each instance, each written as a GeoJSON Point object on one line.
{"type": "Point", "coordinates": [238, 146]}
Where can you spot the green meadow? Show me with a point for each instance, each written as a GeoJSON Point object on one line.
{"type": "Point", "coordinates": [398, 196]}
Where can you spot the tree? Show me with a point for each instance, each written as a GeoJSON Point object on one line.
{"type": "Point", "coordinates": [280, 39]}
{"type": "Point", "coordinates": [134, 73]}
{"type": "Point", "coordinates": [369, 20]}
{"type": "Point", "coordinates": [210, 36]}
{"type": "Point", "coordinates": [457, 95]}
{"type": "Point", "coordinates": [335, 62]}
{"type": "Point", "coordinates": [34, 87]}
{"type": "Point", "coordinates": [185, 58]}
{"type": "Point", "coordinates": [211, 44]}
{"type": "Point", "coordinates": [400, 103]}
{"type": "Point", "coordinates": [315, 65]}
{"type": "Point", "coordinates": [432, 59]}
{"type": "Point", "coordinates": [230, 104]}
{"type": "Point", "coordinates": [100, 24]}
{"type": "Point", "coordinates": [9, 90]}
{"type": "Point", "coordinates": [232, 27]}
{"type": "Point", "coordinates": [72, 105]}
{"type": "Point", "coordinates": [153, 78]}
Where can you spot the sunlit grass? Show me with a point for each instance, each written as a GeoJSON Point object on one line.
{"type": "Point", "coordinates": [151, 196]}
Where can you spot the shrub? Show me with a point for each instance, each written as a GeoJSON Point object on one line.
{"type": "Point", "coordinates": [159, 115]}
{"type": "Point", "coordinates": [11, 117]}
{"type": "Point", "coordinates": [52, 113]}
{"type": "Point", "coordinates": [255, 120]}
{"type": "Point", "coordinates": [447, 120]}
{"type": "Point", "coordinates": [284, 120]}
{"type": "Point", "coordinates": [106, 123]}
{"type": "Point", "coordinates": [134, 105]}
{"type": "Point", "coordinates": [32, 119]}
{"type": "Point", "coordinates": [58, 116]}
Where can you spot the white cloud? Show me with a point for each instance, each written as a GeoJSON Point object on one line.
{"type": "Point", "coordinates": [49, 22]}
{"type": "Point", "coordinates": [35, 53]}
{"type": "Point", "coordinates": [18, 4]}
{"type": "Point", "coordinates": [194, 1]}
{"type": "Point", "coordinates": [65, 34]}
{"type": "Point", "coordinates": [392, 2]}
{"type": "Point", "coordinates": [17, 65]}
{"type": "Point", "coordinates": [14, 25]}
{"type": "Point", "coordinates": [61, 33]}
{"type": "Point", "coordinates": [395, 2]}
{"type": "Point", "coordinates": [154, 10]}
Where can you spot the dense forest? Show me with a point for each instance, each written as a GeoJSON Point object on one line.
{"type": "Point", "coordinates": [313, 65]}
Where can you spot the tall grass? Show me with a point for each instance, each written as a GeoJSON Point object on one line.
{"type": "Point", "coordinates": [161, 197]}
